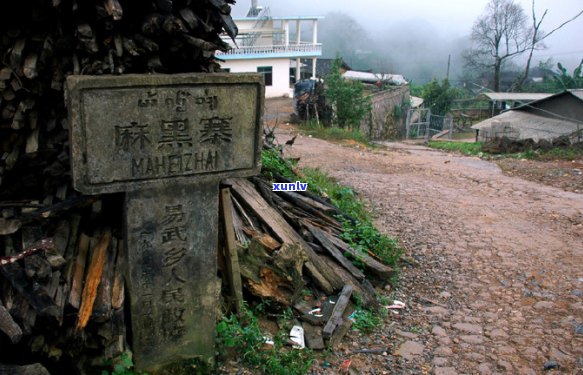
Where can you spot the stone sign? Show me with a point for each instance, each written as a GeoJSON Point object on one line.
{"type": "Point", "coordinates": [137, 131]}
{"type": "Point", "coordinates": [167, 140]}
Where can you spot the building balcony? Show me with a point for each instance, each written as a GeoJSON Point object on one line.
{"type": "Point", "coordinates": [291, 51]}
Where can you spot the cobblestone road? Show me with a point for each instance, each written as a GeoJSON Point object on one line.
{"type": "Point", "coordinates": [495, 283]}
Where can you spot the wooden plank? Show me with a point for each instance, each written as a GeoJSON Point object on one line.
{"type": "Point", "coordinates": [93, 279]}
{"type": "Point", "coordinates": [334, 252]}
{"type": "Point", "coordinates": [376, 267]}
{"type": "Point", "coordinates": [9, 326]}
{"type": "Point", "coordinates": [339, 308]}
{"type": "Point", "coordinates": [325, 280]}
{"type": "Point", "coordinates": [358, 287]}
{"type": "Point", "coordinates": [102, 306]}
{"type": "Point", "coordinates": [339, 333]}
{"type": "Point", "coordinates": [231, 256]}
{"type": "Point", "coordinates": [313, 337]}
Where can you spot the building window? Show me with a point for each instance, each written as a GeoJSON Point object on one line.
{"type": "Point", "coordinates": [267, 73]}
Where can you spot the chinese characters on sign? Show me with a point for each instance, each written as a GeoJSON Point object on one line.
{"type": "Point", "coordinates": [174, 242]}
{"type": "Point", "coordinates": [173, 146]}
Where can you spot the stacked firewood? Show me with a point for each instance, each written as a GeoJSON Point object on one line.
{"type": "Point", "coordinates": [287, 247]}
{"type": "Point", "coordinates": [61, 253]}
{"type": "Point", "coordinates": [43, 41]}
{"type": "Point", "coordinates": [53, 288]}
{"type": "Point", "coordinates": [61, 291]}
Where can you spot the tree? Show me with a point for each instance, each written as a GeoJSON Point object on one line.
{"type": "Point", "coordinates": [498, 35]}
{"type": "Point", "coordinates": [347, 99]}
{"type": "Point", "coordinates": [566, 81]}
{"type": "Point", "coordinates": [438, 96]}
{"type": "Point", "coordinates": [537, 38]}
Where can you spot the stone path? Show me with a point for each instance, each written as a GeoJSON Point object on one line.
{"type": "Point", "coordinates": [494, 278]}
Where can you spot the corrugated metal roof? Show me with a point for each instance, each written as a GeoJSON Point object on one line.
{"type": "Point", "coordinates": [578, 93]}
{"type": "Point", "coordinates": [394, 79]}
{"type": "Point", "coordinates": [516, 96]}
{"type": "Point", "coordinates": [525, 125]}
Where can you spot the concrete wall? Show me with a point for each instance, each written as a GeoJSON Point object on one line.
{"type": "Point", "coordinates": [280, 86]}
{"type": "Point", "coordinates": [381, 124]}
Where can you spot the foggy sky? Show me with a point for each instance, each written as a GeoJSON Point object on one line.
{"type": "Point", "coordinates": [441, 20]}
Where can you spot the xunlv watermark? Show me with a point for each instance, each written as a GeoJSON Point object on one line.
{"type": "Point", "coordinates": [290, 186]}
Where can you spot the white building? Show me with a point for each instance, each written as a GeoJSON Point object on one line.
{"type": "Point", "coordinates": [271, 46]}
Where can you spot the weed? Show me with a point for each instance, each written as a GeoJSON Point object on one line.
{"type": "Point", "coordinates": [123, 366]}
{"type": "Point", "coordinates": [272, 161]}
{"type": "Point", "coordinates": [363, 237]}
{"type": "Point", "coordinates": [416, 329]}
{"type": "Point", "coordinates": [464, 148]}
{"type": "Point", "coordinates": [334, 133]}
{"type": "Point", "coordinates": [246, 338]}
{"type": "Point", "coordinates": [366, 321]}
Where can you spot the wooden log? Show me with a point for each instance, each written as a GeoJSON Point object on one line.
{"type": "Point", "coordinates": [339, 308]}
{"type": "Point", "coordinates": [37, 297]}
{"type": "Point", "coordinates": [22, 313]}
{"type": "Point", "coordinates": [29, 68]}
{"type": "Point", "coordinates": [9, 326]}
{"type": "Point", "coordinates": [103, 300]}
{"type": "Point", "coordinates": [17, 54]}
{"type": "Point", "coordinates": [114, 9]}
{"type": "Point", "coordinates": [266, 240]}
{"type": "Point", "coordinates": [118, 290]}
{"type": "Point", "coordinates": [326, 280]}
{"type": "Point", "coordinates": [231, 257]}
{"type": "Point", "coordinates": [35, 369]}
{"type": "Point", "coordinates": [79, 271]}
{"type": "Point", "coordinates": [93, 279]}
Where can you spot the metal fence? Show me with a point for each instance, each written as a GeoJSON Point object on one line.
{"type": "Point", "coordinates": [422, 124]}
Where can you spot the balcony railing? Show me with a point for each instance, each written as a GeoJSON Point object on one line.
{"type": "Point", "coordinates": [286, 50]}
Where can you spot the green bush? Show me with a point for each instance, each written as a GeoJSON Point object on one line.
{"type": "Point", "coordinates": [346, 97]}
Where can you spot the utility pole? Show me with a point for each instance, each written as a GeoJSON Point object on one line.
{"type": "Point", "coordinates": [448, 65]}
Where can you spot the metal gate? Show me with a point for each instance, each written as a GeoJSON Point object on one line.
{"type": "Point", "coordinates": [417, 122]}
{"type": "Point", "coordinates": [422, 124]}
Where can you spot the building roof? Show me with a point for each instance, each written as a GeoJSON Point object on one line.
{"type": "Point", "coordinates": [282, 18]}
{"type": "Point", "coordinates": [324, 66]}
{"type": "Point", "coordinates": [394, 79]}
{"type": "Point", "coordinates": [516, 96]}
{"type": "Point", "coordinates": [577, 92]}
{"type": "Point", "coordinates": [527, 125]}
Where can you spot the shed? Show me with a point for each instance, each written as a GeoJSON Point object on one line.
{"type": "Point", "coordinates": [547, 118]}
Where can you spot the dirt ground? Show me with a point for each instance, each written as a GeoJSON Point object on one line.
{"type": "Point", "coordinates": [493, 278]}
